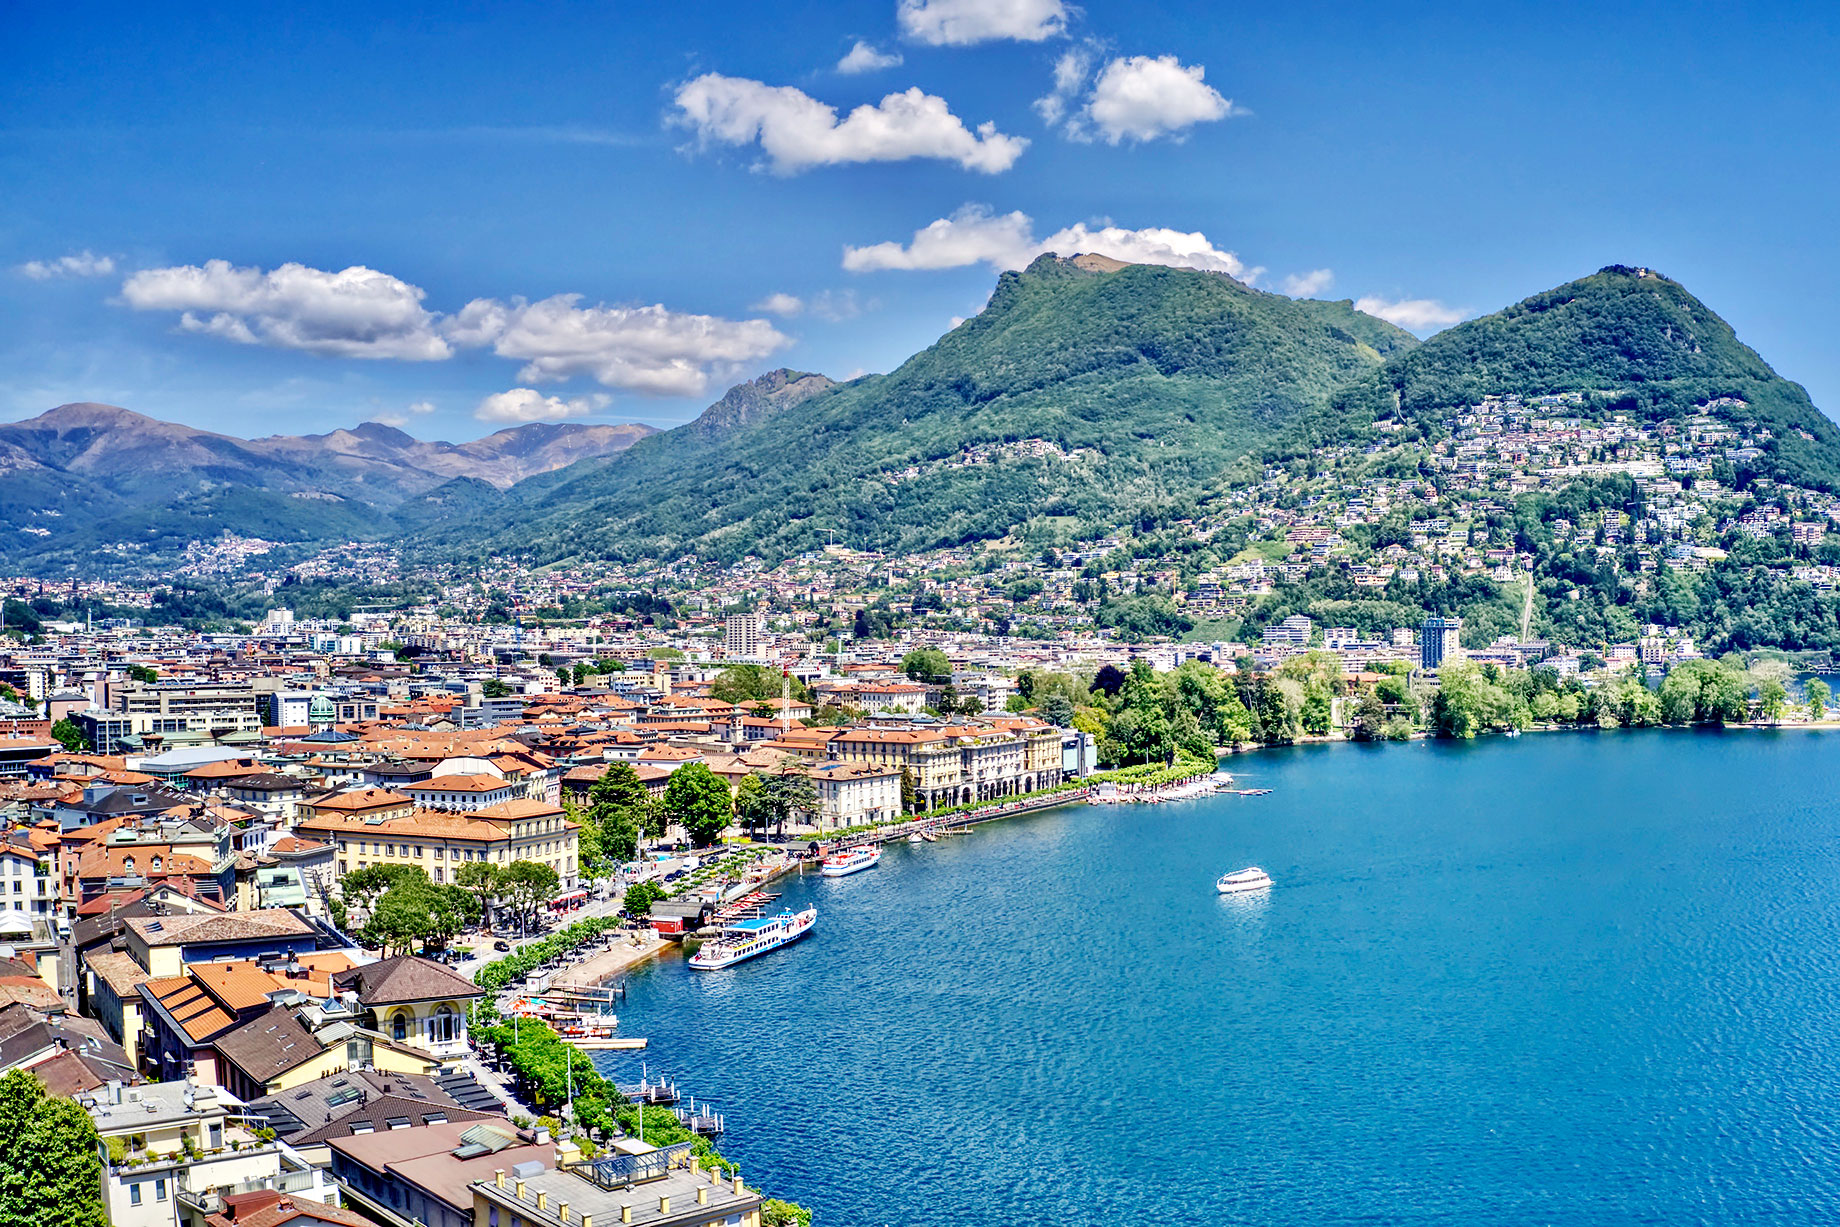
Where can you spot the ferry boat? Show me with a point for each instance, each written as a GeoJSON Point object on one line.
{"type": "Point", "coordinates": [745, 939]}
{"type": "Point", "coordinates": [1240, 881]}
{"type": "Point", "coordinates": [851, 860]}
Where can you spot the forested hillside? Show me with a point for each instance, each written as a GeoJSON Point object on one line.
{"type": "Point", "coordinates": [1078, 392]}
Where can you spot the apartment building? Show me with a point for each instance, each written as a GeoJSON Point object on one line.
{"type": "Point", "coordinates": [439, 843]}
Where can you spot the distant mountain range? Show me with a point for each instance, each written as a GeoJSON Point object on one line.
{"type": "Point", "coordinates": [82, 476]}
{"type": "Point", "coordinates": [1086, 394]}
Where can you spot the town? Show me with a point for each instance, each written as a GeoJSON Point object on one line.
{"type": "Point", "coordinates": [260, 867]}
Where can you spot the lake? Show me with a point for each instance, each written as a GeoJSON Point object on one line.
{"type": "Point", "coordinates": [1568, 978]}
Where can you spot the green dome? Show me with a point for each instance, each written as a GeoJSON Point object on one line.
{"type": "Point", "coordinates": [321, 710]}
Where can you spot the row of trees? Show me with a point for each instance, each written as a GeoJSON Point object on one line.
{"type": "Point", "coordinates": [405, 911]}
{"type": "Point", "coordinates": [620, 810]}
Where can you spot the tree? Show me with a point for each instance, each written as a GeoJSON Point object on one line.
{"type": "Point", "coordinates": [481, 878]}
{"type": "Point", "coordinates": [639, 898]}
{"type": "Point", "coordinates": [361, 888]}
{"type": "Point", "coordinates": [910, 790]}
{"type": "Point", "coordinates": [928, 665]}
{"type": "Point", "coordinates": [1057, 709]}
{"type": "Point", "coordinates": [1816, 693]}
{"type": "Point", "coordinates": [70, 736]}
{"type": "Point", "coordinates": [697, 800]}
{"type": "Point", "coordinates": [50, 1160]}
{"type": "Point", "coordinates": [1772, 699]}
{"type": "Point", "coordinates": [619, 807]}
{"type": "Point", "coordinates": [744, 684]}
{"type": "Point", "coordinates": [527, 886]}
{"type": "Point", "coordinates": [785, 794]}
{"type": "Point", "coordinates": [1369, 718]}
{"type": "Point", "coordinates": [143, 673]}
{"type": "Point", "coordinates": [495, 688]}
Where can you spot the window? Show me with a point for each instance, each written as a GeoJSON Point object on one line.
{"type": "Point", "coordinates": [134, 1195]}
{"type": "Point", "coordinates": [159, 1189]}
{"type": "Point", "coordinates": [444, 1027]}
{"type": "Point", "coordinates": [399, 1025]}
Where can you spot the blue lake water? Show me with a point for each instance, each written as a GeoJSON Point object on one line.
{"type": "Point", "coordinates": [1561, 979]}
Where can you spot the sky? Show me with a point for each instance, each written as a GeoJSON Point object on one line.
{"type": "Point", "coordinates": [458, 217]}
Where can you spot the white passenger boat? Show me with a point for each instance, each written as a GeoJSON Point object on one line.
{"type": "Point", "coordinates": [1240, 881]}
{"type": "Point", "coordinates": [746, 939]}
{"type": "Point", "coordinates": [851, 860]}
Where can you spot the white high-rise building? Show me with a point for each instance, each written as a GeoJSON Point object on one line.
{"type": "Point", "coordinates": [744, 636]}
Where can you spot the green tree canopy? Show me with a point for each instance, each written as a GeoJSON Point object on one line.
{"type": "Point", "coordinates": [699, 801]}
{"type": "Point", "coordinates": [50, 1161]}
{"type": "Point", "coordinates": [928, 665]}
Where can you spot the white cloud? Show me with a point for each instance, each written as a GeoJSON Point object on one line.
{"type": "Point", "coordinates": [797, 132]}
{"type": "Point", "coordinates": [959, 23]}
{"type": "Point", "coordinates": [1138, 98]}
{"type": "Point", "coordinates": [649, 350]}
{"type": "Point", "coordinates": [975, 235]}
{"type": "Point", "coordinates": [836, 305]}
{"type": "Point", "coordinates": [865, 58]}
{"type": "Point", "coordinates": [530, 405]}
{"type": "Point", "coordinates": [85, 263]}
{"type": "Point", "coordinates": [1070, 73]}
{"type": "Point", "coordinates": [787, 305]}
{"type": "Point", "coordinates": [1416, 314]}
{"type": "Point", "coordinates": [1308, 285]}
{"type": "Point", "coordinates": [420, 408]}
{"type": "Point", "coordinates": [355, 313]}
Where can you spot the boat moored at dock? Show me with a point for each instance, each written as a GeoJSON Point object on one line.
{"type": "Point", "coordinates": [746, 939]}
{"type": "Point", "coordinates": [851, 860]}
{"type": "Point", "coordinates": [1243, 881]}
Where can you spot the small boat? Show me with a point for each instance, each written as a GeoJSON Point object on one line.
{"type": "Point", "coordinates": [915, 838]}
{"type": "Point", "coordinates": [1241, 881]}
{"type": "Point", "coordinates": [851, 860]}
{"type": "Point", "coordinates": [746, 939]}
{"type": "Point", "coordinates": [929, 837]}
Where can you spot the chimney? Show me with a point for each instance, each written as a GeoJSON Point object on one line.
{"type": "Point", "coordinates": [518, 1191]}
{"type": "Point", "coordinates": [664, 1205]}
{"type": "Point", "coordinates": [702, 1195]}
{"type": "Point", "coordinates": [498, 1177]}
{"type": "Point", "coordinates": [626, 1214]}
{"type": "Point", "coordinates": [562, 1210]}
{"type": "Point", "coordinates": [542, 1200]}
{"type": "Point", "coordinates": [587, 1220]}
{"type": "Point", "coordinates": [739, 1187]}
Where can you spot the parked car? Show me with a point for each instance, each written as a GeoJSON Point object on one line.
{"type": "Point", "coordinates": [501, 946]}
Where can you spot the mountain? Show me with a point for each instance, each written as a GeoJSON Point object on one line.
{"type": "Point", "coordinates": [88, 477]}
{"type": "Point", "coordinates": [1637, 339]}
{"type": "Point", "coordinates": [1086, 388]}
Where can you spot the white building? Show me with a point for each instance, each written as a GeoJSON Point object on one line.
{"type": "Point", "coordinates": [744, 636]}
{"type": "Point", "coordinates": [856, 794]}
{"type": "Point", "coordinates": [174, 1150]}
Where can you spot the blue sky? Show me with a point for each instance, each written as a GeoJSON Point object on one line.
{"type": "Point", "coordinates": [606, 211]}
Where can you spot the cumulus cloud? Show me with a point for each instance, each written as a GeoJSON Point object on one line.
{"type": "Point", "coordinates": [650, 350]}
{"type": "Point", "coordinates": [960, 23]}
{"type": "Point", "coordinates": [787, 305]}
{"type": "Point", "coordinates": [796, 131]}
{"type": "Point", "coordinates": [1308, 285]}
{"type": "Point", "coordinates": [355, 313]}
{"type": "Point", "coordinates": [1138, 98]}
{"type": "Point", "coordinates": [1070, 73]}
{"type": "Point", "coordinates": [85, 263]}
{"type": "Point", "coordinates": [975, 235]}
{"type": "Point", "coordinates": [529, 405]}
{"type": "Point", "coordinates": [1414, 314]}
{"type": "Point", "coordinates": [863, 57]}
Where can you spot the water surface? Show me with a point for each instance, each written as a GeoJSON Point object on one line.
{"type": "Point", "coordinates": [1562, 979]}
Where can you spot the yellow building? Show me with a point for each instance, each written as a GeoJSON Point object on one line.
{"type": "Point", "coordinates": [438, 842]}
